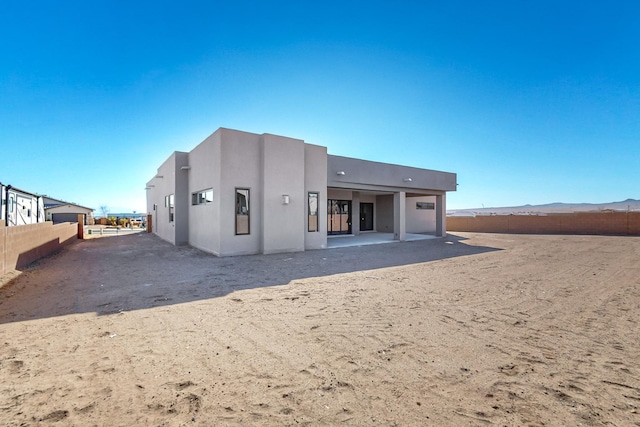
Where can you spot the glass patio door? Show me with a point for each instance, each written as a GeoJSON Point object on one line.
{"type": "Point", "coordinates": [338, 217]}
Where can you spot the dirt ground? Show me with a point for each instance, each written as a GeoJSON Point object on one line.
{"type": "Point", "coordinates": [470, 330]}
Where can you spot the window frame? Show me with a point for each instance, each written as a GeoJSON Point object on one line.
{"type": "Point", "coordinates": [200, 197]}
{"type": "Point", "coordinates": [425, 206]}
{"type": "Point", "coordinates": [316, 194]}
{"type": "Point", "coordinates": [237, 209]}
{"type": "Point", "coordinates": [171, 205]}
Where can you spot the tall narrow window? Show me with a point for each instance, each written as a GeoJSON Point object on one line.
{"type": "Point", "coordinates": [170, 199]}
{"type": "Point", "coordinates": [242, 211]}
{"type": "Point", "coordinates": [313, 212]}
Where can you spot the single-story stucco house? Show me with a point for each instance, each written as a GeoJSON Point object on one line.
{"type": "Point", "coordinates": [242, 193]}
{"type": "Point", "coordinates": [60, 211]}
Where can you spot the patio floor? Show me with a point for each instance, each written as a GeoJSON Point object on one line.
{"type": "Point", "coordinates": [371, 239]}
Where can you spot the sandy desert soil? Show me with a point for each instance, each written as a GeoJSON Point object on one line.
{"type": "Point", "coordinates": [471, 330]}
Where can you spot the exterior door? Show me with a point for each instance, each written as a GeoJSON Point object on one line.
{"type": "Point", "coordinates": [338, 216]}
{"type": "Point", "coordinates": [366, 216]}
{"type": "Point", "coordinates": [12, 216]}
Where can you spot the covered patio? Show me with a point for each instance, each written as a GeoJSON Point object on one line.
{"type": "Point", "coordinates": [397, 202]}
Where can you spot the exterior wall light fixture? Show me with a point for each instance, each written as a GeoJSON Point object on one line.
{"type": "Point", "coordinates": [285, 199]}
{"type": "Point", "coordinates": [340, 173]}
{"type": "Point", "coordinates": [185, 168]}
{"type": "Point", "coordinates": [407, 180]}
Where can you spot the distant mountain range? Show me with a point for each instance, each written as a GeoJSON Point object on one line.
{"type": "Point", "coordinates": [625, 205]}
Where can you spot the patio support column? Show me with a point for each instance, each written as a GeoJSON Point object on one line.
{"type": "Point", "coordinates": [355, 213]}
{"type": "Point", "coordinates": [399, 216]}
{"type": "Point", "coordinates": [441, 215]}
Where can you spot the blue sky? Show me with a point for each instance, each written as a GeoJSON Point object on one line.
{"type": "Point", "coordinates": [527, 101]}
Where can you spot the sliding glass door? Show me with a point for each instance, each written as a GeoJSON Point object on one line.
{"type": "Point", "coordinates": [338, 217]}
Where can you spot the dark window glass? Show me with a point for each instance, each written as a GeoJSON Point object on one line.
{"type": "Point", "coordinates": [202, 197]}
{"type": "Point", "coordinates": [242, 211]}
{"type": "Point", "coordinates": [425, 205]}
{"type": "Point", "coordinates": [313, 212]}
{"type": "Point", "coordinates": [170, 201]}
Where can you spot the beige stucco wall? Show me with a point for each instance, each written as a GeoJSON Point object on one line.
{"type": "Point", "coordinates": [383, 216]}
{"type": "Point", "coordinates": [612, 223]}
{"type": "Point", "coordinates": [170, 179]}
{"type": "Point", "coordinates": [362, 175]}
{"type": "Point", "coordinates": [420, 221]}
{"type": "Point", "coordinates": [337, 194]}
{"type": "Point", "coordinates": [204, 220]}
{"type": "Point", "coordinates": [283, 174]}
{"type": "Point", "coordinates": [270, 166]}
{"type": "Point", "coordinates": [21, 245]}
{"type": "Point", "coordinates": [182, 198]}
{"type": "Point", "coordinates": [240, 163]}
{"type": "Point", "coordinates": [368, 198]}
{"type": "Point", "coordinates": [164, 185]}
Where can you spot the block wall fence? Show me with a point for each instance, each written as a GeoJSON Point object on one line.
{"type": "Point", "coordinates": [23, 244]}
{"type": "Point", "coordinates": [610, 223]}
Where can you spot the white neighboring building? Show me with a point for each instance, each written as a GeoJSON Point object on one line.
{"type": "Point", "coordinates": [19, 207]}
{"type": "Point", "coordinates": [243, 193]}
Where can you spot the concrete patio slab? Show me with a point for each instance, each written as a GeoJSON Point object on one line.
{"type": "Point", "coordinates": [371, 239]}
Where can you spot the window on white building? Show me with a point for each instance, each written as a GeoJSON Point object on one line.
{"type": "Point", "coordinates": [202, 197]}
